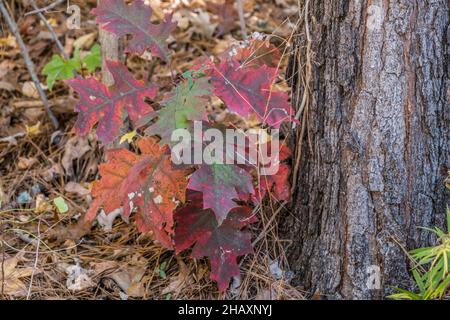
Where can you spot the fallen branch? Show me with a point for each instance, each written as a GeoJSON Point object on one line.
{"type": "Point", "coordinates": [50, 28]}
{"type": "Point", "coordinates": [30, 104]}
{"type": "Point", "coordinates": [30, 65]}
{"type": "Point", "coordinates": [45, 9]}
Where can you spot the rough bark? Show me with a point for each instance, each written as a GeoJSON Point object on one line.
{"type": "Point", "coordinates": [376, 150]}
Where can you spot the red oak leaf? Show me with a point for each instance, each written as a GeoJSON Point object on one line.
{"type": "Point", "coordinates": [108, 107]}
{"type": "Point", "coordinates": [249, 91]}
{"type": "Point", "coordinates": [277, 185]}
{"type": "Point", "coordinates": [146, 184]}
{"type": "Point", "coordinates": [121, 19]}
{"type": "Point", "coordinates": [257, 53]}
{"type": "Point", "coordinates": [220, 184]}
{"type": "Point", "coordinates": [221, 244]}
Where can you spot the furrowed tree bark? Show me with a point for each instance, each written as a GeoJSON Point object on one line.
{"type": "Point", "coordinates": [376, 149]}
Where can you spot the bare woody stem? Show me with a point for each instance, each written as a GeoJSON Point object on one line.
{"type": "Point", "coordinates": [39, 10]}
{"type": "Point", "coordinates": [50, 28]}
{"type": "Point", "coordinates": [29, 63]}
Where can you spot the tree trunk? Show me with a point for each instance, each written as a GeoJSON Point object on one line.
{"type": "Point", "coordinates": [376, 150]}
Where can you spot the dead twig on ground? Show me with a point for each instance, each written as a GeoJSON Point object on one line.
{"type": "Point", "coordinates": [51, 30]}
{"type": "Point", "coordinates": [30, 65]}
{"type": "Point", "coordinates": [45, 9]}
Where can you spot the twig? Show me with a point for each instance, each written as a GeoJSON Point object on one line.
{"type": "Point", "coordinates": [241, 18]}
{"type": "Point", "coordinates": [39, 10]}
{"type": "Point", "coordinates": [30, 66]}
{"type": "Point", "coordinates": [36, 259]}
{"type": "Point", "coordinates": [303, 109]}
{"type": "Point", "coordinates": [3, 267]}
{"type": "Point", "coordinates": [262, 234]}
{"type": "Point", "coordinates": [52, 31]}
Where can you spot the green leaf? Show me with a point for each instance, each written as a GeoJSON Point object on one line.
{"type": "Point", "coordinates": [419, 281]}
{"type": "Point", "coordinates": [161, 270]}
{"type": "Point", "coordinates": [94, 59]}
{"type": "Point", "coordinates": [405, 295]}
{"type": "Point", "coordinates": [61, 69]}
{"type": "Point", "coordinates": [61, 205]}
{"type": "Point", "coordinates": [186, 103]}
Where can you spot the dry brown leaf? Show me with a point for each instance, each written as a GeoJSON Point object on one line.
{"type": "Point", "coordinates": [4, 85]}
{"type": "Point", "coordinates": [78, 278]}
{"type": "Point", "coordinates": [29, 90]}
{"type": "Point", "coordinates": [104, 266]}
{"type": "Point", "coordinates": [74, 149]}
{"type": "Point", "coordinates": [26, 163]}
{"type": "Point", "coordinates": [12, 285]}
{"type": "Point", "coordinates": [129, 280]}
{"type": "Point", "coordinates": [74, 187]}
{"type": "Point", "coordinates": [9, 41]}
{"type": "Point", "coordinates": [86, 41]}
{"type": "Point", "coordinates": [42, 205]}
{"type": "Point", "coordinates": [182, 280]}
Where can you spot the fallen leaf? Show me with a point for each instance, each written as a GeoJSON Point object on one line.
{"type": "Point", "coordinates": [11, 275]}
{"type": "Point", "coordinates": [86, 41]}
{"type": "Point", "coordinates": [128, 137]}
{"type": "Point", "coordinates": [74, 187]}
{"type": "Point", "coordinates": [4, 85]}
{"type": "Point", "coordinates": [42, 205]}
{"type": "Point", "coordinates": [9, 41]}
{"type": "Point", "coordinates": [33, 130]}
{"type": "Point", "coordinates": [74, 149]}
{"type": "Point", "coordinates": [29, 90]}
{"type": "Point", "coordinates": [103, 267]}
{"type": "Point", "coordinates": [129, 280]}
{"type": "Point", "coordinates": [61, 205]}
{"type": "Point", "coordinates": [106, 221]}
{"type": "Point", "coordinates": [26, 163]}
{"type": "Point", "coordinates": [78, 278]}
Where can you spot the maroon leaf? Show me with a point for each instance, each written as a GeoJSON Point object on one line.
{"type": "Point", "coordinates": [121, 19]}
{"type": "Point", "coordinates": [221, 244]}
{"type": "Point", "coordinates": [249, 91]}
{"type": "Point", "coordinates": [277, 185]}
{"type": "Point", "coordinates": [108, 107]}
{"type": "Point", "coordinates": [220, 184]}
{"type": "Point", "coordinates": [258, 52]}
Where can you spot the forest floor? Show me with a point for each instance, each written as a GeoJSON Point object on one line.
{"type": "Point", "coordinates": [49, 255]}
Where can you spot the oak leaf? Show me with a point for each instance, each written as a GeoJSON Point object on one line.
{"type": "Point", "coordinates": [109, 106]}
{"type": "Point", "coordinates": [117, 17]}
{"type": "Point", "coordinates": [220, 184]}
{"type": "Point", "coordinates": [185, 104]}
{"type": "Point", "coordinates": [145, 184]}
{"type": "Point", "coordinates": [247, 91]}
{"type": "Point", "coordinates": [221, 244]}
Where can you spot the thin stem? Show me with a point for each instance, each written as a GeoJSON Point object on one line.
{"type": "Point", "coordinates": [29, 63]}
{"type": "Point", "coordinates": [39, 10]}
{"type": "Point", "coordinates": [52, 31]}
